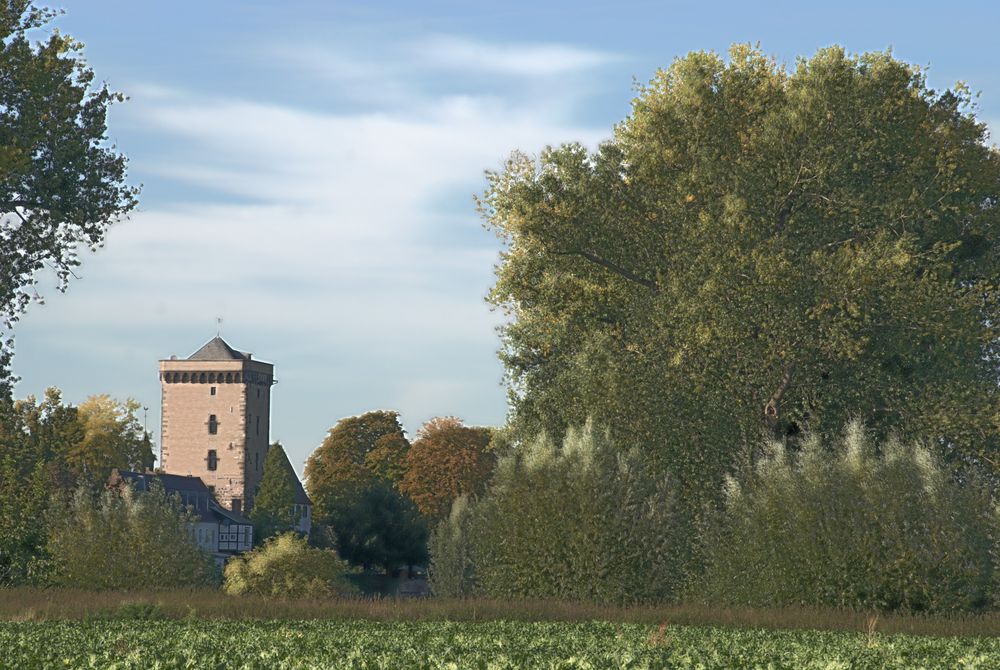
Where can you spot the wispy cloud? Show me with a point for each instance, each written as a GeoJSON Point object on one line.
{"type": "Point", "coordinates": [522, 60]}
{"type": "Point", "coordinates": [343, 239]}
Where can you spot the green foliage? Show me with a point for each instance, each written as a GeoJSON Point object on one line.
{"type": "Point", "coordinates": [358, 450]}
{"type": "Point", "coordinates": [854, 525]}
{"type": "Point", "coordinates": [498, 645]}
{"type": "Point", "coordinates": [274, 504]}
{"type": "Point", "coordinates": [583, 521]}
{"type": "Point", "coordinates": [47, 448]}
{"type": "Point", "coordinates": [381, 527]}
{"type": "Point", "coordinates": [23, 504]}
{"type": "Point", "coordinates": [452, 573]}
{"type": "Point", "coordinates": [286, 566]}
{"type": "Point", "coordinates": [758, 249]}
{"type": "Point", "coordinates": [351, 479]}
{"type": "Point", "coordinates": [124, 541]}
{"type": "Point", "coordinates": [61, 186]}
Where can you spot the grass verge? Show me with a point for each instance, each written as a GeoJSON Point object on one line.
{"type": "Point", "coordinates": [28, 604]}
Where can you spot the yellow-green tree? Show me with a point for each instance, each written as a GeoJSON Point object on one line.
{"type": "Point", "coordinates": [758, 249]}
{"type": "Point", "coordinates": [113, 437]}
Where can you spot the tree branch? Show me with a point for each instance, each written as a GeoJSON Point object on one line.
{"type": "Point", "coordinates": [613, 267]}
{"type": "Point", "coordinates": [773, 407]}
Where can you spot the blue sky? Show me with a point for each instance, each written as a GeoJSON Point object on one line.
{"type": "Point", "coordinates": [308, 171]}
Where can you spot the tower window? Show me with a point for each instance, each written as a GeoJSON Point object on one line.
{"type": "Point", "coordinates": [202, 378]}
{"type": "Point", "coordinates": [184, 378]}
{"type": "Point", "coordinates": [258, 424]}
{"type": "Point", "coordinates": [213, 425]}
{"type": "Point", "coordinates": [212, 391]}
{"type": "Point", "coordinates": [213, 463]}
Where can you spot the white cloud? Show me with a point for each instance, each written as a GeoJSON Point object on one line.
{"type": "Point", "coordinates": [335, 240]}
{"type": "Point", "coordinates": [524, 60]}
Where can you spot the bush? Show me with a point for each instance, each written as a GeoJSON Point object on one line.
{"type": "Point", "coordinates": [580, 521]}
{"type": "Point", "coordinates": [124, 540]}
{"type": "Point", "coordinates": [451, 573]}
{"type": "Point", "coordinates": [286, 566]}
{"type": "Point", "coordinates": [853, 526]}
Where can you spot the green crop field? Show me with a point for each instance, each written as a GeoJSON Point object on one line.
{"type": "Point", "coordinates": [404, 645]}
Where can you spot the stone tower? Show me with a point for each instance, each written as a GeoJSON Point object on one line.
{"type": "Point", "coordinates": [215, 420]}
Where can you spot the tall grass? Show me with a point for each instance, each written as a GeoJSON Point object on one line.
{"type": "Point", "coordinates": [29, 604]}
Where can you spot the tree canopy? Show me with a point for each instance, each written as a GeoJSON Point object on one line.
{"type": "Point", "coordinates": [448, 459]}
{"type": "Point", "coordinates": [61, 185]}
{"type": "Point", "coordinates": [352, 480]}
{"type": "Point", "coordinates": [758, 249]}
{"type": "Point", "coordinates": [358, 450]}
{"type": "Point", "coordinates": [274, 503]}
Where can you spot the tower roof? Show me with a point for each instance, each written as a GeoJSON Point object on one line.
{"type": "Point", "coordinates": [217, 349]}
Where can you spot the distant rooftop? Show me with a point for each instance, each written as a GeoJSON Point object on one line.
{"type": "Point", "coordinates": [217, 349]}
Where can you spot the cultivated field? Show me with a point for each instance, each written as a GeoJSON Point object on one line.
{"type": "Point", "coordinates": [499, 644]}
{"type": "Point", "coordinates": [203, 629]}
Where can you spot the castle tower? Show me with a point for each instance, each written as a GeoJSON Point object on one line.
{"type": "Point", "coordinates": [215, 420]}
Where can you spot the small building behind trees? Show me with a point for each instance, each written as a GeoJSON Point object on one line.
{"type": "Point", "coordinates": [218, 531]}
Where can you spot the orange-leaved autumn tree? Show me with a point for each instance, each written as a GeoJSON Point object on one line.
{"type": "Point", "coordinates": [447, 460]}
{"type": "Point", "coordinates": [358, 451]}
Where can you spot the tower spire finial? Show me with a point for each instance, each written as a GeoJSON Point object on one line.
{"type": "Point", "coordinates": [218, 330]}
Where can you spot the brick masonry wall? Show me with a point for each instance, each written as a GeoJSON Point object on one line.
{"type": "Point", "coordinates": [242, 412]}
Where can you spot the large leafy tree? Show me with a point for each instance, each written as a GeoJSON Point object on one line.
{"type": "Point", "coordinates": [357, 451]}
{"type": "Point", "coordinates": [274, 503]}
{"type": "Point", "coordinates": [352, 480]}
{"type": "Point", "coordinates": [448, 459]}
{"type": "Point", "coordinates": [758, 249]}
{"type": "Point", "coordinates": [61, 185]}
{"type": "Point", "coordinates": [381, 528]}
{"type": "Point", "coordinates": [113, 437]}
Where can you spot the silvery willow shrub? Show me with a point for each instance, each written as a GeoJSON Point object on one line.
{"type": "Point", "coordinates": [124, 540]}
{"type": "Point", "coordinates": [853, 524]}
{"type": "Point", "coordinates": [452, 574]}
{"type": "Point", "coordinates": [582, 520]}
{"type": "Point", "coordinates": [286, 566]}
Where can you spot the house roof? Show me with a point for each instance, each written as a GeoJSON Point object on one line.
{"type": "Point", "coordinates": [206, 508]}
{"type": "Point", "coordinates": [222, 513]}
{"type": "Point", "coordinates": [217, 349]}
{"type": "Point", "coordinates": [300, 494]}
{"type": "Point", "coordinates": [171, 483]}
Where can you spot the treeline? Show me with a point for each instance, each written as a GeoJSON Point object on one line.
{"type": "Point", "coordinates": [49, 450]}
{"type": "Point", "coordinates": [375, 494]}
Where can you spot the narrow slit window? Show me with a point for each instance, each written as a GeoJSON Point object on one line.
{"type": "Point", "coordinates": [213, 425]}
{"type": "Point", "coordinates": [213, 462]}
